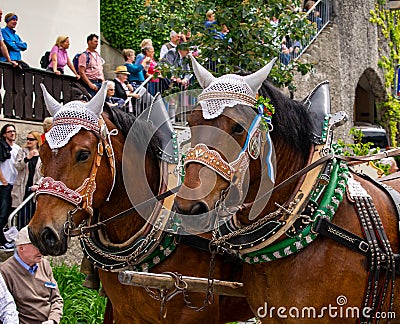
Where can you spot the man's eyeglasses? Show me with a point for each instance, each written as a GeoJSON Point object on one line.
{"type": "Point", "coordinates": [11, 131]}
{"type": "Point", "coordinates": [30, 139]}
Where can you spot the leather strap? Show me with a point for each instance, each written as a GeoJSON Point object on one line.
{"type": "Point", "coordinates": [366, 158]}
{"type": "Point", "coordinates": [325, 227]}
{"type": "Point", "coordinates": [203, 244]}
{"type": "Point", "coordinates": [88, 229]}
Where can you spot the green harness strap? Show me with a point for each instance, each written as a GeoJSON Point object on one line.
{"type": "Point", "coordinates": [329, 203]}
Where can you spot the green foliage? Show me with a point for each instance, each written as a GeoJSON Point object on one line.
{"type": "Point", "coordinates": [360, 149]}
{"type": "Point", "coordinates": [124, 24]}
{"type": "Point", "coordinates": [81, 305]}
{"type": "Point", "coordinates": [386, 20]}
{"type": "Point", "coordinates": [119, 26]}
{"type": "Point", "coordinates": [357, 148]}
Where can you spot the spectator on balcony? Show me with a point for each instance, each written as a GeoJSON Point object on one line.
{"type": "Point", "coordinates": [91, 66]}
{"type": "Point", "coordinates": [180, 61]}
{"type": "Point", "coordinates": [12, 40]}
{"type": "Point", "coordinates": [186, 36]}
{"type": "Point", "coordinates": [136, 71]}
{"type": "Point", "coordinates": [3, 48]}
{"type": "Point", "coordinates": [174, 41]}
{"type": "Point", "coordinates": [8, 175]}
{"type": "Point", "coordinates": [285, 54]}
{"type": "Point", "coordinates": [59, 57]}
{"type": "Point", "coordinates": [222, 34]}
{"type": "Point", "coordinates": [274, 22]}
{"type": "Point", "coordinates": [139, 58]}
{"type": "Point", "coordinates": [210, 22]}
{"type": "Point", "coordinates": [27, 164]}
{"type": "Point", "coordinates": [313, 15]}
{"type": "Point", "coordinates": [297, 48]}
{"type": "Point", "coordinates": [111, 100]}
{"type": "Point", "coordinates": [123, 89]}
{"type": "Point", "coordinates": [154, 84]}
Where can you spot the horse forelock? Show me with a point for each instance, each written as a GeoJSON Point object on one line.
{"type": "Point", "coordinates": [141, 132]}
{"type": "Point", "coordinates": [291, 122]}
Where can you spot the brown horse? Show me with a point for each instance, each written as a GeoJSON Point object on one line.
{"type": "Point", "coordinates": [70, 156]}
{"type": "Point", "coordinates": [322, 281]}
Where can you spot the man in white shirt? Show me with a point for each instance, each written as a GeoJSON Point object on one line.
{"type": "Point", "coordinates": [8, 175]}
{"type": "Point", "coordinates": [175, 37]}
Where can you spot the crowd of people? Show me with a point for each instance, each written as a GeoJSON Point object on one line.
{"type": "Point", "coordinates": [88, 66]}
{"type": "Point", "coordinates": [291, 48]}
{"type": "Point", "coordinates": [19, 175]}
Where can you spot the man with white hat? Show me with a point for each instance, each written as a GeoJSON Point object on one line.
{"type": "Point", "coordinates": [30, 280]}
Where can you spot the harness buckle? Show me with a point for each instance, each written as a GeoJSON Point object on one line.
{"type": "Point", "coordinates": [100, 149]}
{"type": "Point", "coordinates": [363, 246]}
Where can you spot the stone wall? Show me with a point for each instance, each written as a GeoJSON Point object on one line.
{"type": "Point", "coordinates": [346, 50]}
{"type": "Point", "coordinates": [112, 57]}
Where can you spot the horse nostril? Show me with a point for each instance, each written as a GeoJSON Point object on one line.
{"type": "Point", "coordinates": [32, 237]}
{"type": "Point", "coordinates": [199, 208]}
{"type": "Point", "coordinates": [49, 237]}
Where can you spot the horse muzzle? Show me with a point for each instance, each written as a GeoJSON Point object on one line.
{"type": "Point", "coordinates": [49, 241]}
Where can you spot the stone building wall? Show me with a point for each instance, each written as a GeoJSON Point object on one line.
{"type": "Point", "coordinates": [345, 51]}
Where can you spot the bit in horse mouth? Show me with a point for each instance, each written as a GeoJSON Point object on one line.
{"type": "Point", "coordinates": [200, 223]}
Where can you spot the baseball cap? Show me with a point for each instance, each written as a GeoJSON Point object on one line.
{"type": "Point", "coordinates": [23, 237]}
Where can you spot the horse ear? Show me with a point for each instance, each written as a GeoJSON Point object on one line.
{"type": "Point", "coordinates": [52, 104]}
{"type": "Point", "coordinates": [95, 105]}
{"type": "Point", "coordinates": [256, 79]}
{"type": "Point", "coordinates": [202, 74]}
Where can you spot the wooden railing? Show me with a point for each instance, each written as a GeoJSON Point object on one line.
{"type": "Point", "coordinates": [21, 96]}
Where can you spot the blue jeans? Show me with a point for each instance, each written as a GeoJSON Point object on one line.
{"type": "Point", "coordinates": [5, 209]}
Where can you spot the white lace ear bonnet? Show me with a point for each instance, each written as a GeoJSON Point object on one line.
{"type": "Point", "coordinates": [74, 115]}
{"type": "Point", "coordinates": [228, 90]}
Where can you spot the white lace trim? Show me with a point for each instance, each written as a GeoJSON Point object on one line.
{"type": "Point", "coordinates": [232, 89]}
{"type": "Point", "coordinates": [68, 122]}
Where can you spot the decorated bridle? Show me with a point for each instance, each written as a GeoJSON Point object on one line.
{"type": "Point", "coordinates": [228, 91]}
{"type": "Point", "coordinates": [68, 121]}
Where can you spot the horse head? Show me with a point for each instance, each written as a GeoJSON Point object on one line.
{"type": "Point", "coordinates": [77, 152]}
{"type": "Point", "coordinates": [232, 160]}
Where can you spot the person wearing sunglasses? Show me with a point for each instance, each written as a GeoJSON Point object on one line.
{"type": "Point", "coordinates": [8, 175]}
{"type": "Point", "coordinates": [27, 164]}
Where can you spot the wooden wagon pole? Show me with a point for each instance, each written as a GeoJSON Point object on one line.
{"type": "Point", "coordinates": [194, 284]}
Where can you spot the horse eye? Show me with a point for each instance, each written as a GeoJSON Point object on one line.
{"type": "Point", "coordinates": [238, 129]}
{"type": "Point", "coordinates": [82, 156]}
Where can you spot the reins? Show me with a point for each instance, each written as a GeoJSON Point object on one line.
{"type": "Point", "coordinates": [355, 159]}
{"type": "Point", "coordinates": [101, 224]}
{"type": "Point", "coordinates": [351, 160]}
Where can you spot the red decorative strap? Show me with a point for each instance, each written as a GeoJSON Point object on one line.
{"type": "Point", "coordinates": [58, 189]}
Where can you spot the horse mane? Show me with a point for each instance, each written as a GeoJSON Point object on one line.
{"type": "Point", "coordinates": [142, 130]}
{"type": "Point", "coordinates": [291, 121]}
